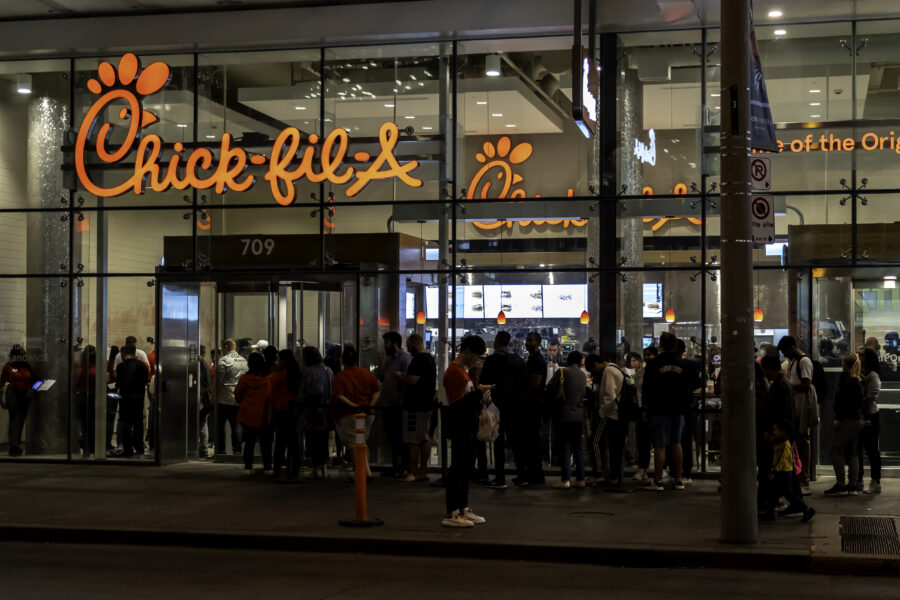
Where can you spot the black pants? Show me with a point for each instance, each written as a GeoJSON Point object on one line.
{"type": "Point", "coordinates": [460, 431]}
{"type": "Point", "coordinates": [531, 451]}
{"type": "Point", "coordinates": [687, 446]}
{"type": "Point", "coordinates": [86, 412]}
{"type": "Point", "coordinates": [642, 441]}
{"type": "Point", "coordinates": [112, 406]}
{"type": "Point", "coordinates": [868, 445]}
{"type": "Point", "coordinates": [17, 403]}
{"type": "Point", "coordinates": [612, 432]}
{"type": "Point", "coordinates": [227, 413]}
{"type": "Point", "coordinates": [479, 461]}
{"type": "Point", "coordinates": [287, 441]}
{"type": "Point", "coordinates": [264, 436]}
{"type": "Point", "coordinates": [317, 446]}
{"type": "Point", "coordinates": [393, 428]}
{"type": "Point", "coordinates": [783, 485]}
{"type": "Point", "coordinates": [131, 419]}
{"type": "Point", "coordinates": [764, 493]}
{"type": "Point", "coordinates": [500, 452]}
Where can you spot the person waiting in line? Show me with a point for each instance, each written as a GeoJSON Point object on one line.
{"type": "Point", "coordinates": [608, 439]}
{"type": "Point", "coordinates": [775, 403]}
{"type": "Point", "coordinates": [464, 402]}
{"type": "Point", "coordinates": [554, 356]}
{"type": "Point", "coordinates": [667, 389]}
{"type": "Point", "coordinates": [393, 360]}
{"type": "Point", "coordinates": [419, 382]}
{"type": "Point", "coordinates": [848, 423]}
{"type": "Point", "coordinates": [315, 395]}
{"type": "Point", "coordinates": [270, 354]}
{"type": "Point", "coordinates": [229, 369]}
{"type": "Point", "coordinates": [641, 428]}
{"type": "Point", "coordinates": [531, 472]}
{"type": "Point", "coordinates": [573, 383]}
{"type": "Point", "coordinates": [355, 390]}
{"type": "Point", "coordinates": [332, 360]}
{"type": "Point", "coordinates": [806, 404]}
{"type": "Point", "coordinates": [693, 370]}
{"type": "Point", "coordinates": [255, 412]}
{"type": "Point", "coordinates": [284, 389]}
{"type": "Point", "coordinates": [17, 379]}
{"type": "Point", "coordinates": [204, 405]}
{"type": "Point", "coordinates": [85, 389]}
{"type": "Point", "coordinates": [480, 472]}
{"type": "Point", "coordinates": [132, 378]}
{"type": "Point", "coordinates": [868, 438]}
{"type": "Point", "coordinates": [112, 401]}
{"type": "Point", "coordinates": [505, 371]}
{"type": "Point", "coordinates": [780, 474]}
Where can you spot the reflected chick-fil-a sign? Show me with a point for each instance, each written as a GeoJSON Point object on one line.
{"type": "Point", "coordinates": [201, 169]}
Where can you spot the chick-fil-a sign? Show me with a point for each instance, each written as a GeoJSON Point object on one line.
{"type": "Point", "coordinates": [201, 169]}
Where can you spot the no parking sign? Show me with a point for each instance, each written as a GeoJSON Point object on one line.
{"type": "Point", "coordinates": [762, 209]}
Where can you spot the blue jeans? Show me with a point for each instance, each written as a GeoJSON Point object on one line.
{"type": "Point", "coordinates": [571, 436]}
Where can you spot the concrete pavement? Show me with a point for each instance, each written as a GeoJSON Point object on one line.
{"type": "Point", "coordinates": [216, 506]}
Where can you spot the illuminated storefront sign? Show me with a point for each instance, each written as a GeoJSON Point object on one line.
{"type": "Point", "coordinates": [870, 142]}
{"type": "Point", "coordinates": [200, 169]}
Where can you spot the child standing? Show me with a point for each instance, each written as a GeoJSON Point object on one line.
{"type": "Point", "coordinates": [780, 478]}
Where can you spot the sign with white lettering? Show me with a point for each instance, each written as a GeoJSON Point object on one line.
{"type": "Point", "coordinates": [763, 210]}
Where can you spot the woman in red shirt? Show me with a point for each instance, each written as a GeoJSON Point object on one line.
{"type": "Point", "coordinates": [17, 378]}
{"type": "Point", "coordinates": [254, 415]}
{"type": "Point", "coordinates": [284, 385]}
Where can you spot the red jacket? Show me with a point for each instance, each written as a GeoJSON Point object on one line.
{"type": "Point", "coordinates": [280, 394]}
{"type": "Point", "coordinates": [252, 394]}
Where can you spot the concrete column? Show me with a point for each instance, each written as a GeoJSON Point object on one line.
{"type": "Point", "coordinates": [631, 118]}
{"type": "Point", "coordinates": [47, 250]}
{"type": "Point", "coordinates": [739, 521]}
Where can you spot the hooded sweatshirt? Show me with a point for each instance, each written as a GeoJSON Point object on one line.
{"type": "Point", "coordinates": [228, 370]}
{"type": "Point", "coordinates": [252, 394]}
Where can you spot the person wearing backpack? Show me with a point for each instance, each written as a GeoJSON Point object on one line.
{"type": "Point", "coordinates": [800, 374]}
{"type": "Point", "coordinates": [506, 372]}
{"type": "Point", "coordinates": [608, 422]}
{"type": "Point", "coordinates": [573, 386]}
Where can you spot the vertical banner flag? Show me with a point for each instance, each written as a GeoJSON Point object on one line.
{"type": "Point", "coordinates": [762, 127]}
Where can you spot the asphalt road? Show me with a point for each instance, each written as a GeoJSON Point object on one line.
{"type": "Point", "coordinates": [41, 571]}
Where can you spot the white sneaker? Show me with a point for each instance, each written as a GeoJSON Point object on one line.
{"type": "Point", "coordinates": [641, 475]}
{"type": "Point", "coordinates": [468, 515]}
{"type": "Point", "coordinates": [874, 488]}
{"type": "Point", "coordinates": [455, 519]}
{"type": "Point", "coordinates": [561, 485]}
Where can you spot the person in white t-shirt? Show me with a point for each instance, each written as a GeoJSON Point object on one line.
{"type": "Point", "coordinates": [806, 404]}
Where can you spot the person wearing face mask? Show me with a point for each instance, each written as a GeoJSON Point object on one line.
{"type": "Point", "coordinates": [395, 360]}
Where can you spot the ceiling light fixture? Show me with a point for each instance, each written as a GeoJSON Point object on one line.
{"type": "Point", "coordinates": [780, 32]}
{"type": "Point", "coordinates": [510, 125]}
{"type": "Point", "coordinates": [481, 102]}
{"type": "Point", "coordinates": [492, 65]}
{"type": "Point", "coordinates": [815, 104]}
{"type": "Point", "coordinates": [389, 106]}
{"type": "Point", "coordinates": [299, 108]}
{"type": "Point", "coordinates": [715, 95]}
{"type": "Point", "coordinates": [23, 83]}
{"type": "Point", "coordinates": [409, 117]}
{"type": "Point", "coordinates": [182, 125]}
{"type": "Point", "coordinates": [496, 114]}
{"type": "Point", "coordinates": [774, 14]}
{"type": "Point", "coordinates": [814, 91]}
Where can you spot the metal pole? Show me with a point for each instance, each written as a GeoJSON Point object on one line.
{"type": "Point", "coordinates": [738, 403]}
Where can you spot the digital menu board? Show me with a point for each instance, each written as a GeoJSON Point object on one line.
{"type": "Point", "coordinates": [653, 301]}
{"type": "Point", "coordinates": [564, 301]}
{"type": "Point", "coordinates": [470, 302]}
{"type": "Point", "coordinates": [431, 302]}
{"type": "Point", "coordinates": [410, 305]}
{"type": "Point", "coordinates": [522, 301]}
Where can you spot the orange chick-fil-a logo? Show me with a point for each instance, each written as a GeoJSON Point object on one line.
{"type": "Point", "coordinates": [496, 164]}
{"type": "Point", "coordinates": [201, 169]}
{"type": "Point", "coordinates": [680, 190]}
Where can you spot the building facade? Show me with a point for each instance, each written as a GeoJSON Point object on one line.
{"type": "Point", "coordinates": [288, 175]}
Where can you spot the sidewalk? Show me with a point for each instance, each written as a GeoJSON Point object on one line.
{"type": "Point", "coordinates": [215, 505]}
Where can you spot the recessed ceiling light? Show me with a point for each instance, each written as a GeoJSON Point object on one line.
{"type": "Point", "coordinates": [815, 104]}
{"type": "Point", "coordinates": [510, 125]}
{"type": "Point", "coordinates": [300, 108]}
{"type": "Point", "coordinates": [774, 14]}
{"type": "Point", "coordinates": [389, 106]}
{"type": "Point", "coordinates": [427, 128]}
{"type": "Point", "coordinates": [182, 125]}
{"type": "Point", "coordinates": [714, 95]}
{"type": "Point", "coordinates": [779, 32]}
{"type": "Point", "coordinates": [346, 80]}
{"type": "Point", "coordinates": [496, 114]}
{"type": "Point", "coordinates": [814, 91]}
{"type": "Point", "coordinates": [210, 137]}
{"type": "Point", "coordinates": [409, 117]}
{"type": "Point", "coordinates": [481, 102]}
{"type": "Point", "coordinates": [814, 116]}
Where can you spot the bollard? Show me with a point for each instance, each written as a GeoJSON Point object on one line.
{"type": "Point", "coordinates": [359, 459]}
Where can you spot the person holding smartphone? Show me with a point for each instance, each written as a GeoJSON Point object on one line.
{"type": "Point", "coordinates": [17, 379]}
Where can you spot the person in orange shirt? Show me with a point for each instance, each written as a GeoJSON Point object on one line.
{"type": "Point", "coordinates": [284, 385]}
{"type": "Point", "coordinates": [254, 412]}
{"type": "Point", "coordinates": [17, 378]}
{"type": "Point", "coordinates": [354, 390]}
{"type": "Point", "coordinates": [464, 402]}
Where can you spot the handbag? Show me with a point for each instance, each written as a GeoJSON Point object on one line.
{"type": "Point", "coordinates": [798, 466]}
{"type": "Point", "coordinates": [488, 424]}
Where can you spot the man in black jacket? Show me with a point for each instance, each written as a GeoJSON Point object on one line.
{"type": "Point", "coordinates": [131, 384]}
{"type": "Point", "coordinates": [777, 406]}
{"type": "Point", "coordinates": [506, 372]}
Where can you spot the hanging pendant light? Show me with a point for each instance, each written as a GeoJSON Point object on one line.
{"type": "Point", "coordinates": [585, 318]}
{"type": "Point", "coordinates": [758, 314]}
{"type": "Point", "coordinates": [670, 316]}
{"type": "Point", "coordinates": [501, 318]}
{"type": "Point", "coordinates": [420, 317]}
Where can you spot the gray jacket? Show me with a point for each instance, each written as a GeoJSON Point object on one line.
{"type": "Point", "coordinates": [871, 388]}
{"type": "Point", "coordinates": [228, 370]}
{"type": "Point", "coordinates": [575, 386]}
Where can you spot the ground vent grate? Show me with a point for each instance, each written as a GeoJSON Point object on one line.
{"type": "Point", "coordinates": [869, 535]}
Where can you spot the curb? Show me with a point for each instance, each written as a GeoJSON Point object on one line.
{"type": "Point", "coordinates": [635, 557]}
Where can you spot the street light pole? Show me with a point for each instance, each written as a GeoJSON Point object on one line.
{"type": "Point", "coordinates": [739, 518]}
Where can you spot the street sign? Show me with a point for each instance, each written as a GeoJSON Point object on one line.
{"type": "Point", "coordinates": [763, 212]}
{"type": "Point", "coordinates": [761, 174]}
